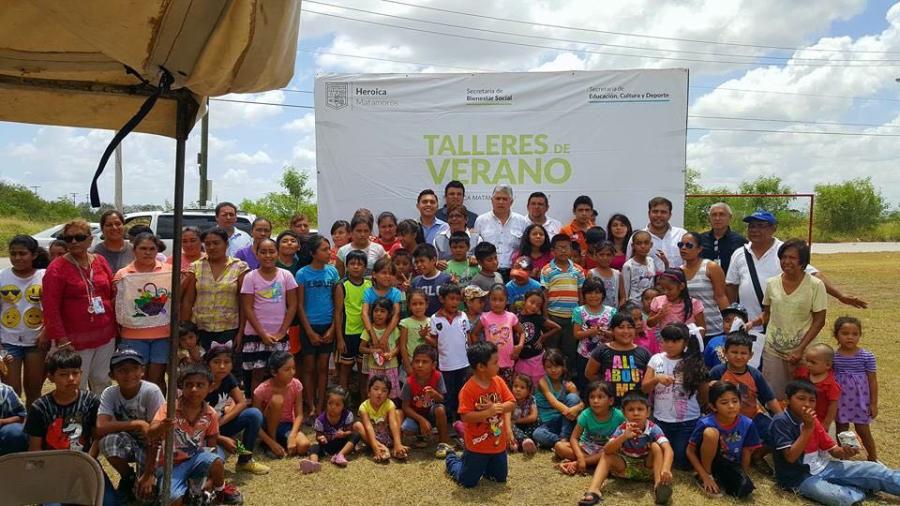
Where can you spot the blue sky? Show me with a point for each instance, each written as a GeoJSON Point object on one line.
{"type": "Point", "coordinates": [251, 143]}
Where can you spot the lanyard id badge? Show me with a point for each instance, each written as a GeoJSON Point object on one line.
{"type": "Point", "coordinates": [97, 306]}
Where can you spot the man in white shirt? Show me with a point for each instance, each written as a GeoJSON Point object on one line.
{"type": "Point", "coordinates": [226, 217]}
{"type": "Point", "coordinates": [502, 227]}
{"type": "Point", "coordinates": [537, 213]}
{"type": "Point", "coordinates": [665, 237]}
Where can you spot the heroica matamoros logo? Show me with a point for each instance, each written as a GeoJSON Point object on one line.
{"type": "Point", "coordinates": [338, 95]}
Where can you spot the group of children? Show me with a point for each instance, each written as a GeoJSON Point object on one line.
{"type": "Point", "coordinates": [602, 367]}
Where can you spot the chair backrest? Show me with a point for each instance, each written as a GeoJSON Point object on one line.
{"type": "Point", "coordinates": [52, 476]}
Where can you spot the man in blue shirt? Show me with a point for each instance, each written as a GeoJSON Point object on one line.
{"type": "Point", "coordinates": [427, 204]}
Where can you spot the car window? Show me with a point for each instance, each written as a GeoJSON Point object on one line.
{"type": "Point", "coordinates": [165, 224]}
{"type": "Point", "coordinates": [244, 224]}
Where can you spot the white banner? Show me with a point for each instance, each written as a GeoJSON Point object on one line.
{"type": "Point", "coordinates": [617, 136]}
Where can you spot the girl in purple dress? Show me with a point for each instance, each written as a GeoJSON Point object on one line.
{"type": "Point", "coordinates": [854, 370]}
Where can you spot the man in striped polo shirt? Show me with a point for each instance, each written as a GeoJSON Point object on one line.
{"type": "Point", "coordinates": [562, 279]}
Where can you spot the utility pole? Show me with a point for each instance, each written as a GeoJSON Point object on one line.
{"type": "Point", "coordinates": [34, 188]}
{"type": "Point", "coordinates": [118, 197]}
{"type": "Point", "coordinates": [203, 158]}
{"type": "Point", "coordinates": [74, 197]}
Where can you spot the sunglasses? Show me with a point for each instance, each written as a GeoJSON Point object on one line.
{"type": "Point", "coordinates": [74, 238]}
{"type": "Point", "coordinates": [686, 245]}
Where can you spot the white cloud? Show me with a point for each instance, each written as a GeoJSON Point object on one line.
{"type": "Point", "coordinates": [231, 114]}
{"type": "Point", "coordinates": [258, 158]}
{"type": "Point", "coordinates": [305, 124]}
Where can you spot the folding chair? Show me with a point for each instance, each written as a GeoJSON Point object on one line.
{"type": "Point", "coordinates": [57, 476]}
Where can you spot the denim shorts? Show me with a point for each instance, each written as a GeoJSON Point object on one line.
{"type": "Point", "coordinates": [196, 468]}
{"type": "Point", "coordinates": [411, 426]}
{"type": "Point", "coordinates": [18, 352]}
{"type": "Point", "coordinates": [153, 351]}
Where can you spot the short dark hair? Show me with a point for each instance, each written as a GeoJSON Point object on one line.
{"type": "Point", "coordinates": [720, 388]}
{"type": "Point", "coordinates": [221, 205]}
{"type": "Point", "coordinates": [426, 191]}
{"type": "Point", "coordinates": [287, 233]}
{"type": "Point", "coordinates": [186, 327]}
{"type": "Point", "coordinates": [375, 378]}
{"type": "Point", "coordinates": [801, 247]}
{"type": "Point", "coordinates": [454, 184]}
{"type": "Point", "coordinates": [635, 396]}
{"type": "Point", "coordinates": [538, 195]}
{"type": "Point", "coordinates": [484, 249]}
{"type": "Point", "coordinates": [592, 285]}
{"type": "Point", "coordinates": [604, 386]}
{"type": "Point", "coordinates": [448, 289]}
{"type": "Point", "coordinates": [558, 238]}
{"type": "Point", "coordinates": [216, 231]}
{"type": "Point", "coordinates": [113, 212]}
{"type": "Point", "coordinates": [657, 201]}
{"type": "Point", "coordinates": [426, 349]}
{"type": "Point", "coordinates": [582, 200]}
{"type": "Point", "coordinates": [425, 250]}
{"type": "Point", "coordinates": [355, 255]}
{"type": "Point", "coordinates": [400, 252]}
{"type": "Point", "coordinates": [277, 360]}
{"type": "Point", "coordinates": [458, 237]}
{"type": "Point", "coordinates": [194, 370]}
{"type": "Point", "coordinates": [594, 236]}
{"type": "Point", "coordinates": [337, 391]}
{"type": "Point", "coordinates": [676, 331]}
{"type": "Point", "coordinates": [339, 224]}
{"type": "Point", "coordinates": [480, 353]}
{"type": "Point", "coordinates": [63, 358]}
{"type": "Point", "coordinates": [738, 338]}
{"type": "Point", "coordinates": [797, 386]}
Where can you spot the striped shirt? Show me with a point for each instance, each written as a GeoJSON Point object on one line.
{"type": "Point", "coordinates": [562, 288]}
{"type": "Point", "coordinates": [701, 288]}
{"type": "Point", "coordinates": [861, 363]}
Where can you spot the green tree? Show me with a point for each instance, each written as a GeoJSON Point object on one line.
{"type": "Point", "coordinates": [849, 206]}
{"type": "Point", "coordinates": [696, 209]}
{"type": "Point", "coordinates": [297, 197]}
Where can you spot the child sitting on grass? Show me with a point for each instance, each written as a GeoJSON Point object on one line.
{"type": "Point", "coordinates": [280, 398]}
{"type": "Point", "coordinates": [484, 403]}
{"type": "Point", "coordinates": [337, 433]}
{"type": "Point", "coordinates": [557, 401]}
{"type": "Point", "coordinates": [524, 416]}
{"type": "Point", "coordinates": [593, 430]}
{"type": "Point", "coordinates": [722, 445]}
{"type": "Point", "coordinates": [12, 415]}
{"type": "Point", "coordinates": [638, 450]}
{"type": "Point", "coordinates": [811, 464]}
{"type": "Point", "coordinates": [423, 401]}
{"type": "Point", "coordinates": [381, 422]}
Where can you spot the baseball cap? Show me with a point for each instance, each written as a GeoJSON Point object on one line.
{"type": "Point", "coordinates": [123, 355]}
{"type": "Point", "coordinates": [473, 292]}
{"type": "Point", "coordinates": [736, 309]}
{"type": "Point", "coordinates": [761, 215]}
{"type": "Point", "coordinates": [521, 269]}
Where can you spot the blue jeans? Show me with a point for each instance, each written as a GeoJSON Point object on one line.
{"type": "Point", "coordinates": [454, 381]}
{"type": "Point", "coordinates": [468, 469]}
{"type": "Point", "coordinates": [195, 468]}
{"type": "Point", "coordinates": [249, 422]}
{"type": "Point", "coordinates": [560, 427]}
{"type": "Point", "coordinates": [679, 435]}
{"type": "Point", "coordinates": [13, 438]}
{"type": "Point", "coordinates": [845, 482]}
{"type": "Point", "coordinates": [154, 351]}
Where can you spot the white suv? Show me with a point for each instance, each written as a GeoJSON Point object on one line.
{"type": "Point", "coordinates": [162, 222]}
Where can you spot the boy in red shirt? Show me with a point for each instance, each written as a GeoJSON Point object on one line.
{"type": "Point", "coordinates": [818, 360]}
{"type": "Point", "coordinates": [484, 403]}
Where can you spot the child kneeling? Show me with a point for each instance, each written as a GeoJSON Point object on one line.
{"type": "Point", "coordinates": [638, 450]}
{"type": "Point", "coordinates": [484, 403]}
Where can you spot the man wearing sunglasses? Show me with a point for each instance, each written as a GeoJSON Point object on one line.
{"type": "Point", "coordinates": [720, 242]}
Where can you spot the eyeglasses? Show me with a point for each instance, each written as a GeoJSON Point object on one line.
{"type": "Point", "coordinates": [74, 238]}
{"type": "Point", "coordinates": [686, 245]}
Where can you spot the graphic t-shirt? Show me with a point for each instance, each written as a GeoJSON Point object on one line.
{"type": "Point", "coordinates": [790, 316]}
{"type": "Point", "coordinates": [413, 339]}
{"type": "Point", "coordinates": [624, 369]}
{"type": "Point", "coordinates": [21, 315]}
{"type": "Point", "coordinates": [324, 427]}
{"type": "Point", "coordinates": [639, 447]}
{"type": "Point", "coordinates": [784, 431]}
{"type": "Point", "coordinates": [269, 298]}
{"type": "Point", "coordinates": [318, 297]}
{"type": "Point", "coordinates": [671, 403]}
{"type": "Point", "coordinates": [488, 436]}
{"type": "Point", "coordinates": [676, 310]}
{"type": "Point", "coordinates": [583, 317]}
{"type": "Point", "coordinates": [515, 293]}
{"type": "Point", "coordinates": [291, 395]}
{"type": "Point", "coordinates": [733, 439]}
{"type": "Point", "coordinates": [533, 327]}
{"type": "Point", "coordinates": [637, 277]}
{"type": "Point", "coordinates": [220, 398]}
{"type": "Point", "coordinates": [597, 431]}
{"type": "Point", "coordinates": [462, 270]}
{"type": "Point", "coordinates": [414, 392]}
{"type": "Point", "coordinates": [751, 385]}
{"type": "Point", "coordinates": [499, 329]}
{"type": "Point", "coordinates": [64, 427]}
{"type": "Point", "coordinates": [431, 286]}
{"type": "Point", "coordinates": [190, 435]}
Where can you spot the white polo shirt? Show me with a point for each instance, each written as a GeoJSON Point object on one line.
{"type": "Point", "coordinates": [767, 266]}
{"type": "Point", "coordinates": [451, 340]}
{"type": "Point", "coordinates": [552, 226]}
{"type": "Point", "coordinates": [238, 241]}
{"type": "Point", "coordinates": [668, 243]}
{"type": "Point", "coordinates": [505, 236]}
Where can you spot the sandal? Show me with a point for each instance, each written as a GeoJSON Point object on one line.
{"type": "Point", "coordinates": [590, 499]}
{"type": "Point", "coordinates": [663, 494]}
{"type": "Point", "coordinates": [442, 450]}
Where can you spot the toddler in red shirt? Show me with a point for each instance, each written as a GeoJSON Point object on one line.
{"type": "Point", "coordinates": [818, 360]}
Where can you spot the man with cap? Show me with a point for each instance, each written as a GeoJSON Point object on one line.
{"type": "Point", "coordinates": [757, 261]}
{"type": "Point", "coordinates": [123, 419]}
{"type": "Point", "coordinates": [720, 242]}
{"type": "Point", "coordinates": [520, 283]}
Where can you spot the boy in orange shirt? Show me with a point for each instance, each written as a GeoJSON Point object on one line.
{"type": "Point", "coordinates": [484, 403]}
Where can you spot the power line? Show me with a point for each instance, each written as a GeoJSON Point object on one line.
{"type": "Point", "coordinates": [261, 103]}
{"type": "Point", "coordinates": [773, 120]}
{"type": "Point", "coordinates": [800, 132]}
{"type": "Point", "coordinates": [575, 41]}
{"type": "Point", "coordinates": [397, 61]}
{"type": "Point", "coordinates": [589, 51]}
{"type": "Point", "coordinates": [643, 36]}
{"type": "Point", "coordinates": [876, 99]}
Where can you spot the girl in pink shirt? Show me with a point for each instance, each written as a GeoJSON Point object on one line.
{"type": "Point", "coordinates": [503, 329]}
{"type": "Point", "coordinates": [675, 305]}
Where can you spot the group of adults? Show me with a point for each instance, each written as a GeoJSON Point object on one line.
{"type": "Point", "coordinates": [720, 265]}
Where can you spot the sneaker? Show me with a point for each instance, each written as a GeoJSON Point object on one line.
{"type": "Point", "coordinates": [309, 466]}
{"type": "Point", "coordinates": [442, 450]}
{"type": "Point", "coordinates": [229, 495]}
{"type": "Point", "coordinates": [528, 446]}
{"type": "Point", "coordinates": [339, 460]}
{"type": "Point", "coordinates": [663, 494]}
{"type": "Point", "coordinates": [253, 467]}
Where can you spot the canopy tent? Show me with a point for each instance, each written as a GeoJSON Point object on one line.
{"type": "Point", "coordinates": [95, 63]}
